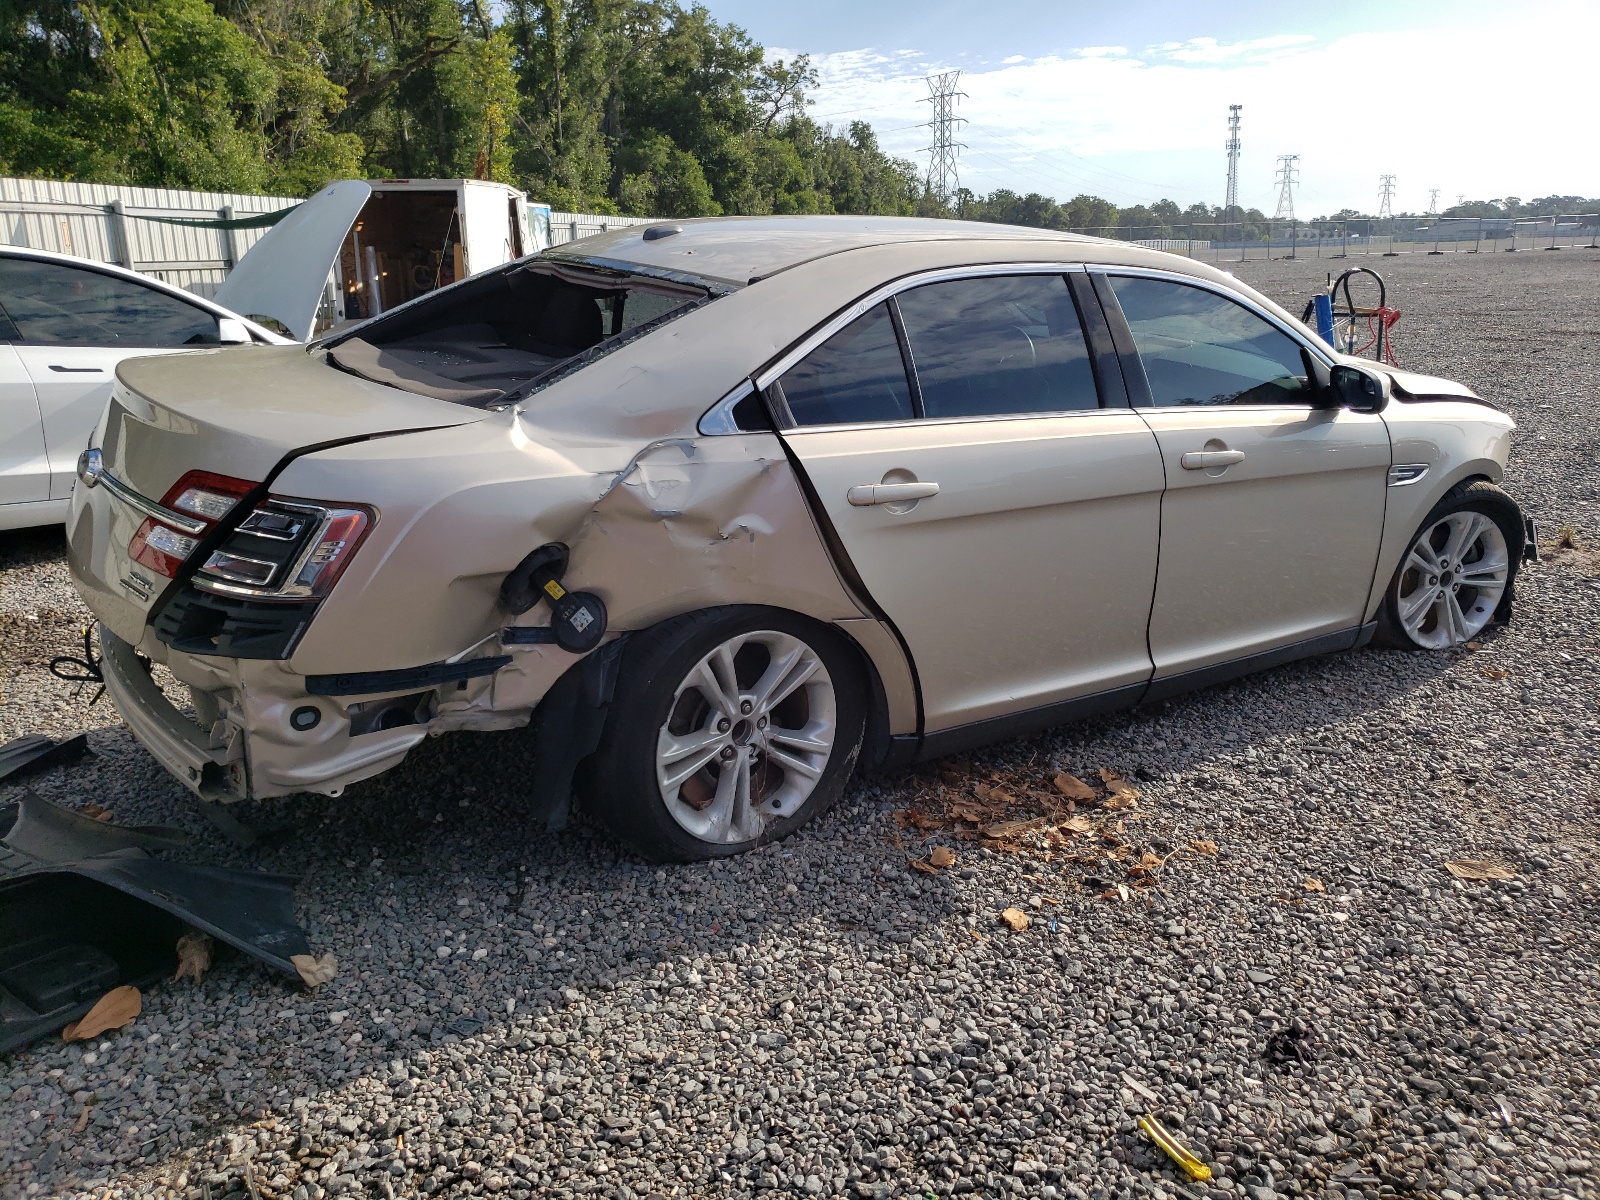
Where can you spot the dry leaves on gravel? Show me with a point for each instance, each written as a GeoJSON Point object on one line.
{"type": "Point", "coordinates": [195, 951]}
{"type": "Point", "coordinates": [1052, 816]}
{"type": "Point", "coordinates": [1479, 870]}
{"type": "Point", "coordinates": [112, 1011]}
{"type": "Point", "coordinates": [1015, 919]}
{"type": "Point", "coordinates": [315, 970]}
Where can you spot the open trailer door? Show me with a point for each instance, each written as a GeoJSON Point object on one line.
{"type": "Point", "coordinates": [282, 277]}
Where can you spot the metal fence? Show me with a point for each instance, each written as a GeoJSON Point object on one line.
{"type": "Point", "coordinates": [1225, 242]}
{"type": "Point", "coordinates": [109, 223]}
{"type": "Point", "coordinates": [570, 227]}
{"type": "Point", "coordinates": [105, 222]}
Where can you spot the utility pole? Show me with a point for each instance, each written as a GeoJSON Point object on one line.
{"type": "Point", "coordinates": [1386, 197]}
{"type": "Point", "coordinates": [1433, 202]}
{"type": "Point", "coordinates": [1231, 200]}
{"type": "Point", "coordinates": [942, 94]}
{"type": "Point", "coordinates": [1288, 176]}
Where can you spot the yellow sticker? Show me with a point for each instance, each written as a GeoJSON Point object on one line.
{"type": "Point", "coordinates": [554, 590]}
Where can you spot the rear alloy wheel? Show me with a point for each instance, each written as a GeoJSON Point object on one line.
{"type": "Point", "coordinates": [1457, 571]}
{"type": "Point", "coordinates": [730, 728]}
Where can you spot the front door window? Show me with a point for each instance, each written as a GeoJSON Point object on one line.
{"type": "Point", "coordinates": [1199, 348]}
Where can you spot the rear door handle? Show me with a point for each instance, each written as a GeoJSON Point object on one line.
{"type": "Point", "coordinates": [77, 370]}
{"type": "Point", "coordinates": [865, 494]}
{"type": "Point", "coordinates": [1204, 460]}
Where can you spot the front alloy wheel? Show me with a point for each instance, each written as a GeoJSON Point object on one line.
{"type": "Point", "coordinates": [1458, 572]}
{"type": "Point", "coordinates": [1453, 580]}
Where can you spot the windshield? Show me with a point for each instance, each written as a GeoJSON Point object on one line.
{"type": "Point", "coordinates": [491, 340]}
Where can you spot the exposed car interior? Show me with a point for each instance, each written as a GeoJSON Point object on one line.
{"type": "Point", "coordinates": [509, 331]}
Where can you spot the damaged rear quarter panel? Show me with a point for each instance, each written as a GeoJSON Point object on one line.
{"type": "Point", "coordinates": [657, 529]}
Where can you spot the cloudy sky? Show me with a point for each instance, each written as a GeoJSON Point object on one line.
{"type": "Point", "coordinates": [1130, 101]}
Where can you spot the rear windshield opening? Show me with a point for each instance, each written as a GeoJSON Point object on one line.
{"type": "Point", "coordinates": [496, 338]}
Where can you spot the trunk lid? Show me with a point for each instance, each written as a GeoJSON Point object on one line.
{"type": "Point", "coordinates": [237, 412]}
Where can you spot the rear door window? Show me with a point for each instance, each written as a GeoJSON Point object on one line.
{"type": "Point", "coordinates": [52, 304]}
{"type": "Point", "coordinates": [856, 376]}
{"type": "Point", "coordinates": [998, 345]}
{"type": "Point", "coordinates": [1199, 348]}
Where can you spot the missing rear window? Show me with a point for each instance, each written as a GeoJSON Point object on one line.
{"type": "Point", "coordinates": [497, 339]}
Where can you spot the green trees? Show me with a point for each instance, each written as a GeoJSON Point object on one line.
{"type": "Point", "coordinates": [604, 105]}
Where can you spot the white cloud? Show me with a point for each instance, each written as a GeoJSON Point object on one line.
{"type": "Point", "coordinates": [1015, 58]}
{"type": "Point", "coordinates": [1209, 50]}
{"type": "Point", "coordinates": [1100, 52]}
{"type": "Point", "coordinates": [1136, 127]}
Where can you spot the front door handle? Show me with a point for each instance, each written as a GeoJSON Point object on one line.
{"type": "Point", "coordinates": [865, 494]}
{"type": "Point", "coordinates": [1209, 460]}
{"type": "Point", "coordinates": [77, 370]}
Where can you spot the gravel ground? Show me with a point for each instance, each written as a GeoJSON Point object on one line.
{"type": "Point", "coordinates": [542, 1015]}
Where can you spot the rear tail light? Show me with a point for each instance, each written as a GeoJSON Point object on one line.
{"type": "Point", "coordinates": [286, 550]}
{"type": "Point", "coordinates": [205, 496]}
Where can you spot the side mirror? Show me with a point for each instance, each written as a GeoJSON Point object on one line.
{"type": "Point", "coordinates": [232, 332]}
{"type": "Point", "coordinates": [1357, 390]}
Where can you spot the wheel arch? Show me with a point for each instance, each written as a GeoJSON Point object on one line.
{"type": "Point", "coordinates": [1402, 520]}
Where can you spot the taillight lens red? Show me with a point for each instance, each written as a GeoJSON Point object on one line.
{"type": "Point", "coordinates": [203, 495]}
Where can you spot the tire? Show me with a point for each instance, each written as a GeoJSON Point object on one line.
{"type": "Point", "coordinates": [1465, 600]}
{"type": "Point", "coordinates": [737, 777]}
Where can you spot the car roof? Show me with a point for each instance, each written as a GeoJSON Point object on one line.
{"type": "Point", "coordinates": [149, 281]}
{"type": "Point", "coordinates": [741, 250]}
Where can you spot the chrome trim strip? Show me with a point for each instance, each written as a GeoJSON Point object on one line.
{"type": "Point", "coordinates": [840, 319]}
{"type": "Point", "coordinates": [986, 418]}
{"type": "Point", "coordinates": [1317, 346]}
{"type": "Point", "coordinates": [234, 577]}
{"type": "Point", "coordinates": [718, 419]}
{"type": "Point", "coordinates": [1405, 474]}
{"type": "Point", "coordinates": [149, 507]}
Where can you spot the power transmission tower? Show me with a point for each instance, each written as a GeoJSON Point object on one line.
{"type": "Point", "coordinates": [942, 94]}
{"type": "Point", "coordinates": [1386, 196]}
{"type": "Point", "coordinates": [1433, 201]}
{"type": "Point", "coordinates": [1288, 176]}
{"type": "Point", "coordinates": [1231, 201]}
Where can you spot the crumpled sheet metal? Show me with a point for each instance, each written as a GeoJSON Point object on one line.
{"type": "Point", "coordinates": [690, 524]}
{"type": "Point", "coordinates": [85, 907]}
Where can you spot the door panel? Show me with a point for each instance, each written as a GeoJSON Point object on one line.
{"type": "Point", "coordinates": [24, 467]}
{"type": "Point", "coordinates": [73, 325]}
{"type": "Point", "coordinates": [73, 384]}
{"type": "Point", "coordinates": [1026, 578]}
{"type": "Point", "coordinates": [1273, 548]}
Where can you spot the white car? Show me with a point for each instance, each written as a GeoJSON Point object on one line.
{"type": "Point", "coordinates": [65, 324]}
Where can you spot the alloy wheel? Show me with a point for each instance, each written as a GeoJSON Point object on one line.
{"type": "Point", "coordinates": [1453, 580]}
{"type": "Point", "coordinates": [751, 729]}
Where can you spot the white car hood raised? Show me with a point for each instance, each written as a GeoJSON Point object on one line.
{"type": "Point", "coordinates": [283, 274]}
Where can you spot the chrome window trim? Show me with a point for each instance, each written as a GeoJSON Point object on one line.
{"type": "Point", "coordinates": [839, 320]}
{"type": "Point", "coordinates": [1319, 350]}
{"type": "Point", "coordinates": [149, 508]}
{"type": "Point", "coordinates": [717, 421]}
{"type": "Point", "coordinates": [923, 422]}
{"type": "Point", "coordinates": [1320, 354]}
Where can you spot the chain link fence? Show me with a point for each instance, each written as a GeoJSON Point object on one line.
{"type": "Point", "coordinates": [1224, 242]}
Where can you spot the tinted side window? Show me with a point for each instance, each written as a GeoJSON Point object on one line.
{"type": "Point", "coordinates": [1002, 344]}
{"type": "Point", "coordinates": [1201, 348]}
{"type": "Point", "coordinates": [56, 305]}
{"type": "Point", "coordinates": [856, 375]}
